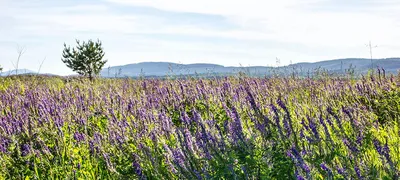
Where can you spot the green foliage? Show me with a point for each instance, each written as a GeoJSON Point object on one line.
{"type": "Point", "coordinates": [141, 129]}
{"type": "Point", "coordinates": [85, 59]}
{"type": "Point", "coordinates": [386, 106]}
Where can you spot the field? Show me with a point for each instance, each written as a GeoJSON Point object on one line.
{"type": "Point", "coordinates": [226, 128]}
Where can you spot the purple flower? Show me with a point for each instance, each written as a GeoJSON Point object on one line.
{"type": "Point", "coordinates": [327, 133]}
{"type": "Point", "coordinates": [298, 160]}
{"type": "Point", "coordinates": [196, 116]}
{"type": "Point", "coordinates": [236, 126]}
{"type": "Point", "coordinates": [185, 118]}
{"type": "Point", "coordinates": [179, 158]}
{"type": "Point", "coordinates": [282, 104]}
{"type": "Point", "coordinates": [339, 122]}
{"type": "Point", "coordinates": [106, 157]}
{"type": "Point", "coordinates": [289, 154]}
{"type": "Point", "coordinates": [25, 149]}
{"type": "Point", "coordinates": [341, 171]}
{"type": "Point", "coordinates": [358, 171]}
{"type": "Point", "coordinates": [251, 99]}
{"type": "Point", "coordinates": [313, 126]}
{"type": "Point", "coordinates": [97, 138]}
{"type": "Point", "coordinates": [188, 139]}
{"type": "Point", "coordinates": [303, 122]}
{"type": "Point", "coordinates": [92, 149]}
{"type": "Point", "coordinates": [351, 146]}
{"type": "Point", "coordinates": [166, 124]}
{"type": "Point", "coordinates": [273, 107]}
{"type": "Point", "coordinates": [299, 177]}
{"type": "Point", "coordinates": [305, 167]}
{"type": "Point", "coordinates": [259, 126]}
{"type": "Point", "coordinates": [385, 152]}
{"type": "Point", "coordinates": [287, 127]}
{"type": "Point", "coordinates": [386, 148]}
{"type": "Point", "coordinates": [330, 122]}
{"type": "Point", "coordinates": [4, 143]}
{"type": "Point", "coordinates": [120, 139]}
{"type": "Point", "coordinates": [138, 169]}
{"type": "Point", "coordinates": [221, 143]}
{"type": "Point", "coordinates": [360, 137]}
{"type": "Point", "coordinates": [326, 168]}
{"type": "Point", "coordinates": [277, 121]}
{"type": "Point", "coordinates": [79, 136]}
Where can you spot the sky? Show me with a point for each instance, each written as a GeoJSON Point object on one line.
{"type": "Point", "coordinates": [226, 32]}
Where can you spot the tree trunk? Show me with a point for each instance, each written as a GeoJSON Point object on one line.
{"type": "Point", "coordinates": [90, 77]}
{"type": "Point", "coordinates": [90, 72]}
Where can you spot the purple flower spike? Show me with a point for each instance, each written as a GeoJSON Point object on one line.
{"type": "Point", "coordinates": [299, 177]}
{"type": "Point", "coordinates": [79, 136]}
{"type": "Point", "coordinates": [25, 149]}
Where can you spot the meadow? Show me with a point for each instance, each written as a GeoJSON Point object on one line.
{"type": "Point", "coordinates": [236, 127]}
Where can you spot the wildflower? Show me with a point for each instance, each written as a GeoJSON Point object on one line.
{"type": "Point", "coordinates": [299, 177]}
{"type": "Point", "coordinates": [298, 160]}
{"type": "Point", "coordinates": [251, 99]}
{"type": "Point", "coordinates": [359, 138]}
{"type": "Point", "coordinates": [25, 149]}
{"type": "Point", "coordinates": [358, 171]}
{"type": "Point", "coordinates": [282, 105]}
{"type": "Point", "coordinates": [327, 133]}
{"type": "Point", "coordinates": [106, 157]}
{"type": "Point", "coordinates": [287, 128]}
{"type": "Point", "coordinates": [277, 121]}
{"type": "Point", "coordinates": [313, 126]}
{"type": "Point", "coordinates": [79, 136]}
{"type": "Point", "coordinates": [341, 171]}
{"type": "Point", "coordinates": [137, 168]}
{"type": "Point", "coordinates": [305, 167]}
{"type": "Point", "coordinates": [384, 151]}
{"type": "Point", "coordinates": [4, 143]}
{"type": "Point", "coordinates": [326, 168]}
{"type": "Point", "coordinates": [236, 126]}
{"type": "Point", "coordinates": [179, 158]}
{"type": "Point", "coordinates": [352, 147]}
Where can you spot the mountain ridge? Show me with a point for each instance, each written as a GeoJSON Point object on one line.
{"type": "Point", "coordinates": [360, 66]}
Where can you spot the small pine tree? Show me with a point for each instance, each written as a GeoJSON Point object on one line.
{"type": "Point", "coordinates": [86, 58]}
{"type": "Point", "coordinates": [1, 69]}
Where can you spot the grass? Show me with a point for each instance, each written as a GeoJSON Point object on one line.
{"type": "Point", "coordinates": [236, 127]}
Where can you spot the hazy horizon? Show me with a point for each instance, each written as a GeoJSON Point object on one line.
{"type": "Point", "coordinates": [225, 32]}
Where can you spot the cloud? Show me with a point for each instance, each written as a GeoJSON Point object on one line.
{"type": "Point", "coordinates": [291, 20]}
{"type": "Point", "coordinates": [371, 6]}
{"type": "Point", "coordinates": [224, 32]}
{"type": "Point", "coordinates": [250, 8]}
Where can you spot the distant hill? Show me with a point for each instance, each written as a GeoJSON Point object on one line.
{"type": "Point", "coordinates": [156, 69]}
{"type": "Point", "coordinates": [23, 72]}
{"type": "Point", "coordinates": [360, 66]}
{"type": "Point", "coordinates": [163, 68]}
{"type": "Point", "coordinates": [15, 72]}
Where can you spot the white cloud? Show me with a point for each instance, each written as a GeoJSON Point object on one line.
{"type": "Point", "coordinates": [287, 21]}
{"type": "Point", "coordinates": [249, 8]}
{"type": "Point", "coordinates": [261, 30]}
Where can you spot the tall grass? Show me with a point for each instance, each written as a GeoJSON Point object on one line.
{"type": "Point", "coordinates": [225, 128]}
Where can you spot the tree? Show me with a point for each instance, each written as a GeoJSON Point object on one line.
{"type": "Point", "coordinates": [1, 69]}
{"type": "Point", "coordinates": [86, 58]}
